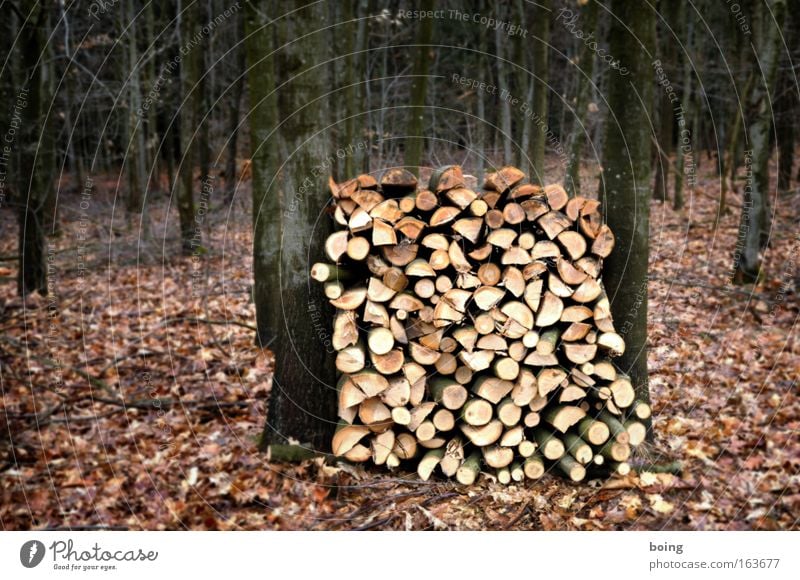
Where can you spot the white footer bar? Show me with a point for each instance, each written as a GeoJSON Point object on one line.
{"type": "Point", "coordinates": [399, 555]}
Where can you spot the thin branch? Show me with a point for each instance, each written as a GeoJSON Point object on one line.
{"type": "Point", "coordinates": [208, 321]}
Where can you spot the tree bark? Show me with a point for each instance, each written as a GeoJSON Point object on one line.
{"type": "Point", "coordinates": [415, 142]}
{"type": "Point", "coordinates": [9, 162]}
{"type": "Point", "coordinates": [754, 217]}
{"type": "Point", "coordinates": [233, 115]}
{"type": "Point", "coordinates": [481, 133]}
{"type": "Point", "coordinates": [505, 105]}
{"type": "Point", "coordinates": [785, 112]}
{"type": "Point", "coordinates": [668, 56]}
{"type": "Point", "coordinates": [188, 124]}
{"type": "Point", "coordinates": [625, 182]}
{"type": "Point", "coordinates": [686, 128]}
{"type": "Point", "coordinates": [352, 104]}
{"type": "Point", "coordinates": [290, 225]}
{"type": "Point", "coordinates": [523, 85]}
{"type": "Point", "coordinates": [362, 61]}
{"type": "Point", "coordinates": [47, 142]}
{"type": "Point", "coordinates": [135, 161]}
{"type": "Point", "coordinates": [584, 71]}
{"type": "Point", "coordinates": [541, 36]}
{"type": "Point", "coordinates": [150, 117]}
{"type": "Point", "coordinates": [74, 159]}
{"type": "Point", "coordinates": [34, 175]}
{"type": "Point", "coordinates": [731, 155]}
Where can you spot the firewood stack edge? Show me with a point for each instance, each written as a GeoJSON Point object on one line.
{"type": "Point", "coordinates": [472, 329]}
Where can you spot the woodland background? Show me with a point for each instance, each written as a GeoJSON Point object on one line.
{"type": "Point", "coordinates": [137, 137]}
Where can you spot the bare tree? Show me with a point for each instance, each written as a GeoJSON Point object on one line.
{"type": "Point", "coordinates": [754, 223]}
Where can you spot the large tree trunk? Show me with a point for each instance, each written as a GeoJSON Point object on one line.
{"type": "Point", "coordinates": [753, 224]}
{"type": "Point", "coordinates": [541, 36]}
{"type": "Point", "coordinates": [584, 71]}
{"type": "Point", "coordinates": [34, 176]}
{"type": "Point", "coordinates": [189, 97]}
{"type": "Point", "coordinates": [625, 182]}
{"type": "Point", "coordinates": [263, 113]}
{"type": "Point", "coordinates": [292, 314]}
{"type": "Point", "coordinates": [415, 142]}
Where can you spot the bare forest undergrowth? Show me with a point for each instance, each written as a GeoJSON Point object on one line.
{"type": "Point", "coordinates": [133, 396]}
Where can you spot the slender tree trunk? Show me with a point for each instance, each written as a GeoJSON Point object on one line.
{"type": "Point", "coordinates": [786, 111]}
{"type": "Point", "coordinates": [136, 163]}
{"type": "Point", "coordinates": [9, 161]}
{"type": "Point", "coordinates": [203, 112]}
{"type": "Point", "coordinates": [352, 105]}
{"type": "Point", "coordinates": [190, 96]}
{"type": "Point", "coordinates": [362, 61]}
{"type": "Point", "coordinates": [170, 147]}
{"type": "Point", "coordinates": [667, 52]}
{"type": "Point", "coordinates": [541, 36]}
{"type": "Point", "coordinates": [46, 154]}
{"type": "Point", "coordinates": [292, 314]}
{"type": "Point", "coordinates": [584, 71]}
{"type": "Point", "coordinates": [150, 120]}
{"type": "Point", "coordinates": [686, 135]}
{"type": "Point", "coordinates": [74, 160]}
{"type": "Point", "coordinates": [415, 142]}
{"type": "Point", "coordinates": [752, 226]}
{"type": "Point", "coordinates": [34, 182]}
{"type": "Point", "coordinates": [207, 112]}
{"type": "Point", "coordinates": [233, 116]}
{"type": "Point", "coordinates": [481, 134]}
{"type": "Point", "coordinates": [732, 153]}
{"type": "Point", "coordinates": [502, 85]}
{"type": "Point", "coordinates": [625, 182]}
{"type": "Point", "coordinates": [523, 87]}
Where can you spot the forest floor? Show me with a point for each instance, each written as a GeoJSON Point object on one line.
{"type": "Point", "coordinates": [124, 407]}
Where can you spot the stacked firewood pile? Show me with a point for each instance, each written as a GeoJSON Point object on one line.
{"type": "Point", "coordinates": [472, 329]}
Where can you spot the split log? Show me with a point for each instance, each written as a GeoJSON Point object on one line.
{"type": "Point", "coordinates": [429, 462]}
